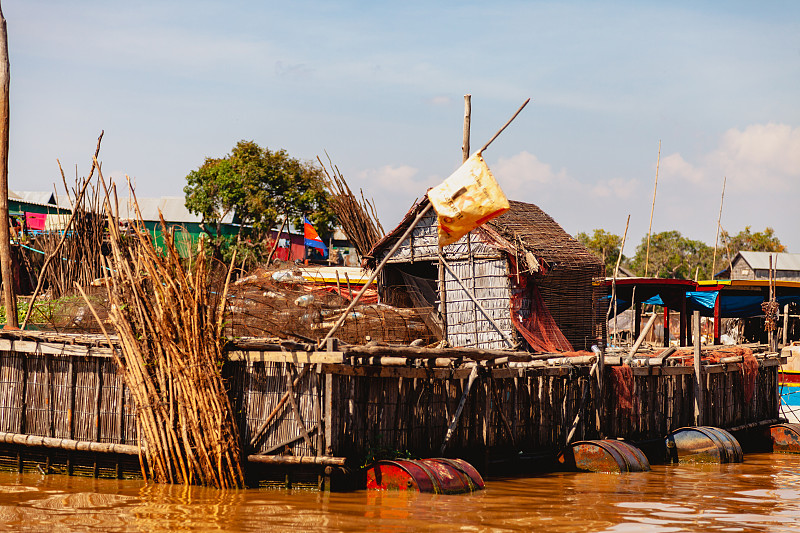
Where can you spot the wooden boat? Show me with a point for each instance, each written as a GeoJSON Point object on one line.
{"type": "Point", "coordinates": [789, 382]}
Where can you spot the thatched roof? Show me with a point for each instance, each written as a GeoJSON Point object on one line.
{"type": "Point", "coordinates": [526, 225]}
{"type": "Point", "coordinates": [525, 228]}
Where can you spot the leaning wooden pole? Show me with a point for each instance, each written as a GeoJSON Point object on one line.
{"type": "Point", "coordinates": [698, 371]}
{"type": "Point", "coordinates": [652, 208]}
{"type": "Point", "coordinates": [402, 238]}
{"type": "Point", "coordinates": [613, 301]}
{"type": "Point", "coordinates": [9, 298]}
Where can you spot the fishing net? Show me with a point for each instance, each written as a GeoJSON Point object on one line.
{"type": "Point", "coordinates": [748, 366]}
{"type": "Point", "coordinates": [622, 382]}
{"type": "Point", "coordinates": [533, 320]}
{"type": "Point", "coordinates": [282, 303]}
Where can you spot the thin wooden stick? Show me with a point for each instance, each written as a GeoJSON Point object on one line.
{"type": "Point", "coordinates": [454, 422]}
{"type": "Point", "coordinates": [296, 410]}
{"type": "Point", "coordinates": [613, 301]}
{"type": "Point", "coordinates": [652, 208]}
{"type": "Point", "coordinates": [277, 240]}
{"type": "Point", "coordinates": [719, 220]}
{"type": "Point", "coordinates": [277, 409]}
{"type": "Point", "coordinates": [575, 422]}
{"type": "Point", "coordinates": [496, 135]}
{"type": "Point", "coordinates": [467, 121]}
{"type": "Point", "coordinates": [640, 340]}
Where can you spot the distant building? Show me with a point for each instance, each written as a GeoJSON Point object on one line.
{"type": "Point", "coordinates": [755, 265]}
{"type": "Point", "coordinates": [37, 211]}
{"type": "Point", "coordinates": [187, 226]}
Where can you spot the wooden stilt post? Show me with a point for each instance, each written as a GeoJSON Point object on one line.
{"type": "Point", "coordinates": [683, 340]}
{"type": "Point", "coordinates": [716, 316]}
{"type": "Point", "coordinates": [9, 298]}
{"type": "Point", "coordinates": [698, 372]}
{"type": "Point", "coordinates": [770, 330]}
{"type": "Point", "coordinates": [785, 333]}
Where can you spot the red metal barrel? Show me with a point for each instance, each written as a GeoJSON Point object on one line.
{"type": "Point", "coordinates": [703, 444]}
{"type": "Point", "coordinates": [785, 438]}
{"type": "Point", "coordinates": [604, 456]}
{"type": "Point", "coordinates": [441, 476]}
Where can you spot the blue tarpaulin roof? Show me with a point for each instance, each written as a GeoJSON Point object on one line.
{"type": "Point", "coordinates": [731, 305]}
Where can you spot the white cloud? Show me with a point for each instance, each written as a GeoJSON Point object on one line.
{"type": "Point", "coordinates": [762, 154]}
{"type": "Point", "coordinates": [518, 174]}
{"type": "Point", "coordinates": [393, 189]}
{"type": "Point", "coordinates": [758, 156]}
{"type": "Point", "coordinates": [398, 179]}
{"type": "Point", "coordinates": [674, 165]}
{"type": "Point", "coordinates": [616, 188]}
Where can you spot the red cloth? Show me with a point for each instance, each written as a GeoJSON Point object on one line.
{"type": "Point", "coordinates": [35, 221]}
{"type": "Point", "coordinates": [538, 328]}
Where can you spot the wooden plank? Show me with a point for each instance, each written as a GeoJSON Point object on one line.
{"type": "Point", "coordinates": [287, 357]}
{"type": "Point", "coordinates": [296, 460]}
{"type": "Point", "coordinates": [68, 444]}
{"type": "Point", "coordinates": [395, 372]}
{"type": "Point", "coordinates": [330, 416]}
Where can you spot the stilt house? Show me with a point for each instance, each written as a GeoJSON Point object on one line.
{"type": "Point", "coordinates": [527, 273]}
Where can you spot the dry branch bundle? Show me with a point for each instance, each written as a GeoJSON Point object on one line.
{"type": "Point", "coordinates": [358, 219]}
{"type": "Point", "coordinates": [170, 330]}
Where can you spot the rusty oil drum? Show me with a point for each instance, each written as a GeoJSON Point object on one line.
{"type": "Point", "coordinates": [785, 438]}
{"type": "Point", "coordinates": [437, 475]}
{"type": "Point", "coordinates": [703, 444]}
{"type": "Point", "coordinates": [604, 456]}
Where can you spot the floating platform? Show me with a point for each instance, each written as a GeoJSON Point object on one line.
{"type": "Point", "coordinates": [316, 416]}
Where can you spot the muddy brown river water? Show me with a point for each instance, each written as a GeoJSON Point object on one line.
{"type": "Point", "coordinates": [762, 494]}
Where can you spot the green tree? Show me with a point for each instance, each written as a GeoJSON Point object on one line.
{"type": "Point", "coordinates": [746, 240]}
{"type": "Point", "coordinates": [604, 245]}
{"type": "Point", "coordinates": [260, 187]}
{"type": "Point", "coordinates": [673, 256]}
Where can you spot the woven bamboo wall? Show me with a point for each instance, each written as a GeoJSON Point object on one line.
{"type": "Point", "coordinates": [537, 409]}
{"type": "Point", "coordinates": [80, 398]}
{"type": "Point", "coordinates": [423, 245]}
{"type": "Point", "coordinates": [256, 388]}
{"type": "Point", "coordinates": [568, 295]}
{"type": "Point", "coordinates": [488, 281]}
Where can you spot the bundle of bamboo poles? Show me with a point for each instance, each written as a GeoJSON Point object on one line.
{"type": "Point", "coordinates": [359, 219]}
{"type": "Point", "coordinates": [170, 325]}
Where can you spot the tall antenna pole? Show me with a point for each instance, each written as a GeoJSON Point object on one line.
{"type": "Point", "coordinates": [719, 220]}
{"type": "Point", "coordinates": [9, 299]}
{"type": "Point", "coordinates": [652, 208]}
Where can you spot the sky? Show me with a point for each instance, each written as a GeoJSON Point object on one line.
{"type": "Point", "coordinates": [379, 87]}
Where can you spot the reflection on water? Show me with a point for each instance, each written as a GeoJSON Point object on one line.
{"type": "Point", "coordinates": [763, 494]}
